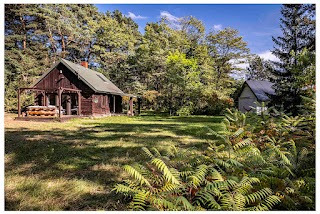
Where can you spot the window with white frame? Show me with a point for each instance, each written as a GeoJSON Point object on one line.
{"type": "Point", "coordinates": [261, 109]}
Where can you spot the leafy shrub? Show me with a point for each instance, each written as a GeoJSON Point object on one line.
{"type": "Point", "coordinates": [185, 111]}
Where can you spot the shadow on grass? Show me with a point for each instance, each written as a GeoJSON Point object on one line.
{"type": "Point", "coordinates": [95, 152]}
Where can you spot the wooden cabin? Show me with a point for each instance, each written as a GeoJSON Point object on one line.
{"type": "Point", "coordinates": [254, 92]}
{"type": "Point", "coordinates": [74, 89]}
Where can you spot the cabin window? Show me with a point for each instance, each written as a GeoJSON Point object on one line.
{"type": "Point", "coordinates": [261, 109]}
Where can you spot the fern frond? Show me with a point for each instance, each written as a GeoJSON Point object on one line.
{"type": "Point", "coordinates": [185, 203]}
{"type": "Point", "coordinates": [289, 190]}
{"type": "Point", "coordinates": [136, 175]}
{"type": "Point", "coordinates": [222, 163]}
{"type": "Point", "coordinates": [239, 200]}
{"type": "Point", "coordinates": [186, 173]}
{"type": "Point", "coordinates": [228, 202]}
{"type": "Point", "coordinates": [147, 152]}
{"type": "Point", "coordinates": [216, 134]}
{"type": "Point", "coordinates": [126, 190]}
{"type": "Point", "coordinates": [234, 163]}
{"type": "Point", "coordinates": [282, 155]}
{"type": "Point", "coordinates": [139, 201]}
{"type": "Point", "coordinates": [245, 142]}
{"type": "Point", "coordinates": [258, 195]}
{"type": "Point", "coordinates": [308, 172]}
{"type": "Point", "coordinates": [238, 132]}
{"type": "Point", "coordinates": [162, 203]}
{"type": "Point", "coordinates": [231, 183]}
{"type": "Point", "coordinates": [172, 152]}
{"type": "Point", "coordinates": [208, 200]}
{"type": "Point", "coordinates": [165, 170]}
{"type": "Point", "coordinates": [249, 180]}
{"type": "Point", "coordinates": [259, 207]}
{"type": "Point", "coordinates": [271, 200]}
{"type": "Point", "coordinates": [169, 187]}
{"type": "Point", "coordinates": [216, 175]}
{"type": "Point", "coordinates": [156, 152]}
{"type": "Point", "coordinates": [198, 177]}
{"type": "Point", "coordinates": [244, 188]}
{"type": "Point", "coordinates": [303, 153]}
{"type": "Point", "coordinates": [217, 185]}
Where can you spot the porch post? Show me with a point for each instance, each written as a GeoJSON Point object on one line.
{"type": "Point", "coordinates": [56, 100]}
{"type": "Point", "coordinates": [59, 92]}
{"type": "Point", "coordinates": [131, 106]}
{"type": "Point", "coordinates": [79, 103]}
{"type": "Point", "coordinates": [68, 105]}
{"type": "Point", "coordinates": [19, 106]}
{"type": "Point", "coordinates": [43, 100]}
{"type": "Point", "coordinates": [114, 103]}
{"type": "Point", "coordinates": [47, 100]}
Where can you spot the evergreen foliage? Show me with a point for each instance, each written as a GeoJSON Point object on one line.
{"type": "Point", "coordinates": [259, 69]}
{"type": "Point", "coordinates": [298, 29]}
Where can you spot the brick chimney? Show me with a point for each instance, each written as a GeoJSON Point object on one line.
{"type": "Point", "coordinates": [84, 64]}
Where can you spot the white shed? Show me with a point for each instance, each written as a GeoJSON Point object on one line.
{"type": "Point", "coordinates": [254, 91]}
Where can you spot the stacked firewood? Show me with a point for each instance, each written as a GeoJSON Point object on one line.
{"type": "Point", "coordinates": [41, 111]}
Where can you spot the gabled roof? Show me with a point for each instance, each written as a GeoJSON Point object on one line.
{"type": "Point", "coordinates": [95, 80]}
{"type": "Point", "coordinates": [261, 89]}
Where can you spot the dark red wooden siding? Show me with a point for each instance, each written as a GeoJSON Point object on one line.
{"type": "Point", "coordinates": [102, 106]}
{"type": "Point", "coordinates": [68, 79]}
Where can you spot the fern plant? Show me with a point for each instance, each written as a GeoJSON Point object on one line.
{"type": "Point", "coordinates": [244, 168]}
{"type": "Point", "coordinates": [198, 184]}
{"type": "Point", "coordinates": [157, 185]}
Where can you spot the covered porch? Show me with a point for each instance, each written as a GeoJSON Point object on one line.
{"type": "Point", "coordinates": [50, 102]}
{"type": "Point", "coordinates": [62, 104]}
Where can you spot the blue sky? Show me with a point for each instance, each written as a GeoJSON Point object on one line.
{"type": "Point", "coordinates": [256, 23]}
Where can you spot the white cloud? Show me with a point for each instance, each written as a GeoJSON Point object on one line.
{"type": "Point", "coordinates": [172, 20]}
{"type": "Point", "coordinates": [134, 16]}
{"type": "Point", "coordinates": [168, 16]}
{"type": "Point", "coordinates": [243, 65]}
{"type": "Point", "coordinates": [267, 55]}
{"type": "Point", "coordinates": [217, 27]}
{"type": "Point", "coordinates": [240, 63]}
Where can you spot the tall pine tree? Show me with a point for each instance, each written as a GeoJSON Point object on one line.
{"type": "Point", "coordinates": [298, 29]}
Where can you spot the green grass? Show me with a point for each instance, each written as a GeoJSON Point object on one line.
{"type": "Point", "coordinates": [75, 165]}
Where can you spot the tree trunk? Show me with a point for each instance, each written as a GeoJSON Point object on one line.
{"type": "Point", "coordinates": [51, 40]}
{"type": "Point", "coordinates": [23, 23]}
{"type": "Point", "coordinates": [63, 44]}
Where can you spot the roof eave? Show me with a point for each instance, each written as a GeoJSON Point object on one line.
{"type": "Point", "coordinates": [116, 93]}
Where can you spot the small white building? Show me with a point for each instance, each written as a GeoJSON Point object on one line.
{"type": "Point", "coordinates": [253, 92]}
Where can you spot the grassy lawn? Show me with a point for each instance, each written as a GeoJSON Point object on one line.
{"type": "Point", "coordinates": [74, 165]}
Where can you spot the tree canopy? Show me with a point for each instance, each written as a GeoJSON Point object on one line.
{"type": "Point", "coordinates": [298, 37]}
{"type": "Point", "coordinates": [178, 68]}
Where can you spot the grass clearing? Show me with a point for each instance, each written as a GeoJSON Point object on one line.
{"type": "Point", "coordinates": [74, 165]}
